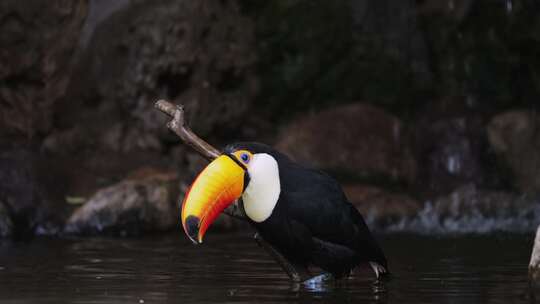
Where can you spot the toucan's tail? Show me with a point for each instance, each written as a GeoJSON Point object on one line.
{"type": "Point", "coordinates": [367, 246]}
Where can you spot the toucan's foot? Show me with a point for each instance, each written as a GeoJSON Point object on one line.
{"type": "Point", "coordinates": [296, 273]}
{"type": "Point", "coordinates": [378, 269]}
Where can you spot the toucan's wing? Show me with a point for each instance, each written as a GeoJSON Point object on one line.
{"type": "Point", "coordinates": [317, 201]}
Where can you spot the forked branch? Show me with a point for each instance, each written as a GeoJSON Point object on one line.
{"type": "Point", "coordinates": [179, 126]}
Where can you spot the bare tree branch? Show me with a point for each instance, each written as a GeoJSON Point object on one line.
{"type": "Point", "coordinates": [179, 126]}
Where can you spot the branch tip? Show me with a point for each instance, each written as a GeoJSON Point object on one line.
{"type": "Point", "coordinates": [179, 126]}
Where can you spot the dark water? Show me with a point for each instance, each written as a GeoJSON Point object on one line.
{"type": "Point", "coordinates": [231, 268]}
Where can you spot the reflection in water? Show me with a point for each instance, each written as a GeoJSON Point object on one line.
{"type": "Point", "coordinates": [319, 283]}
{"type": "Point", "coordinates": [231, 268]}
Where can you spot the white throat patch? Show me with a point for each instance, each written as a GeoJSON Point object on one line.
{"type": "Point", "coordinates": [262, 192]}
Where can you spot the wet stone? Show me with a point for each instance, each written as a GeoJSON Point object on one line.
{"type": "Point", "coordinates": [470, 209]}
{"type": "Point", "coordinates": [142, 203]}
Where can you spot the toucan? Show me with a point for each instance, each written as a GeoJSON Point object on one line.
{"type": "Point", "coordinates": [301, 212]}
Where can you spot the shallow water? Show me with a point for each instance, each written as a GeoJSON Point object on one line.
{"type": "Point", "coordinates": [231, 268]}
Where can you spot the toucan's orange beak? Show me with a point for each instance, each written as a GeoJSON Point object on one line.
{"type": "Point", "coordinates": [216, 187]}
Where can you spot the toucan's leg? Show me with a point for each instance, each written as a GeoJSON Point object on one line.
{"type": "Point", "coordinates": [296, 274]}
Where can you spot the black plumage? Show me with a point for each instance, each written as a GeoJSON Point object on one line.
{"type": "Point", "coordinates": [313, 223]}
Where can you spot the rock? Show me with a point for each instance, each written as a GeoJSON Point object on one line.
{"type": "Point", "coordinates": [381, 209]}
{"type": "Point", "coordinates": [472, 210]}
{"type": "Point", "coordinates": [534, 264]}
{"type": "Point", "coordinates": [6, 225]}
{"type": "Point", "coordinates": [467, 209]}
{"type": "Point", "coordinates": [38, 43]}
{"type": "Point", "coordinates": [515, 137]}
{"type": "Point", "coordinates": [200, 54]}
{"type": "Point", "coordinates": [356, 140]}
{"type": "Point", "coordinates": [32, 192]}
{"type": "Point", "coordinates": [144, 202]}
{"type": "Point", "coordinates": [451, 143]}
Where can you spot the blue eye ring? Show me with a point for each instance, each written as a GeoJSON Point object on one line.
{"type": "Point", "coordinates": [244, 157]}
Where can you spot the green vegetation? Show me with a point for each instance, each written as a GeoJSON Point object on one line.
{"type": "Point", "coordinates": [315, 53]}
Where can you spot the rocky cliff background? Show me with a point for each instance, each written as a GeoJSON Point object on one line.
{"type": "Point", "coordinates": [424, 110]}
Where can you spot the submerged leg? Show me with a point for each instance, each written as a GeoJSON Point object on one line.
{"type": "Point", "coordinates": [295, 273]}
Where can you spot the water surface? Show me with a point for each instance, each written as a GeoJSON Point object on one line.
{"type": "Point", "coordinates": [232, 268]}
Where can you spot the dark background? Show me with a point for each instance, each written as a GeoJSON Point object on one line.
{"type": "Point", "coordinates": [422, 109]}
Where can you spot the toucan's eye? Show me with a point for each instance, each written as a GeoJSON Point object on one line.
{"type": "Point", "coordinates": [244, 157]}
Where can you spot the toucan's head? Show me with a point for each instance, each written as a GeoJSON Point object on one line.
{"type": "Point", "coordinates": [248, 171]}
